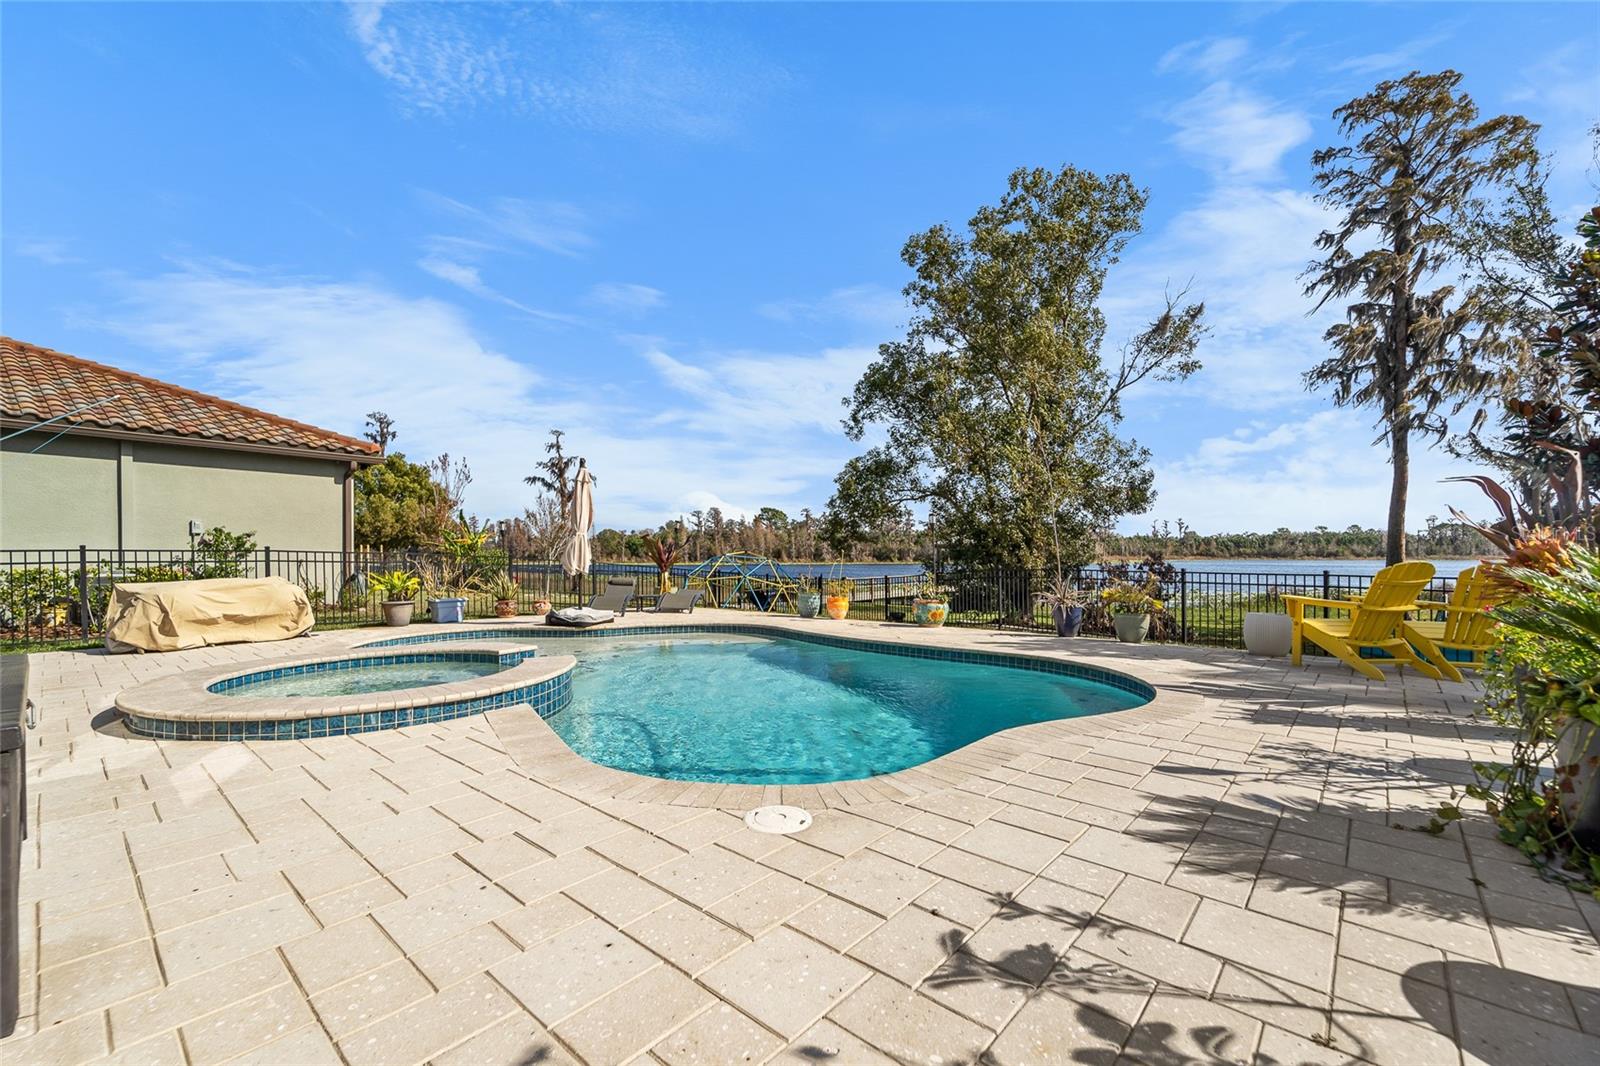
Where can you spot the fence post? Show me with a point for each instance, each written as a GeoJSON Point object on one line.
{"type": "Point", "coordinates": [83, 589]}
{"type": "Point", "coordinates": [266, 561]}
{"type": "Point", "coordinates": [1183, 605]}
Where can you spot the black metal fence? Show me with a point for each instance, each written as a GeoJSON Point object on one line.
{"type": "Point", "coordinates": [59, 597]}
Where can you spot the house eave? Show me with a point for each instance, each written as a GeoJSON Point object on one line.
{"type": "Point", "coordinates": [11, 422]}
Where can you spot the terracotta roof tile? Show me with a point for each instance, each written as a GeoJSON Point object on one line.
{"type": "Point", "coordinates": [38, 383]}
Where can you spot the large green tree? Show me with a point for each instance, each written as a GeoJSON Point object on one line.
{"type": "Point", "coordinates": [401, 504]}
{"type": "Point", "coordinates": [999, 413]}
{"type": "Point", "coordinates": [1417, 172]}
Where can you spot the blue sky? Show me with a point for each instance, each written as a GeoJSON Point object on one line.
{"type": "Point", "coordinates": [674, 231]}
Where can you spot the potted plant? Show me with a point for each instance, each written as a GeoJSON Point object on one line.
{"type": "Point", "coordinates": [807, 602]}
{"type": "Point", "coordinates": [541, 606]}
{"type": "Point", "coordinates": [453, 572]}
{"type": "Point", "coordinates": [1130, 604]}
{"type": "Point", "coordinates": [398, 590]}
{"type": "Point", "coordinates": [930, 606]}
{"type": "Point", "coordinates": [505, 590]}
{"type": "Point", "coordinates": [1066, 602]}
{"type": "Point", "coordinates": [836, 597]}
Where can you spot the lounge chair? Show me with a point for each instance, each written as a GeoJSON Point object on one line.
{"type": "Point", "coordinates": [1465, 627]}
{"type": "Point", "coordinates": [681, 600]}
{"type": "Point", "coordinates": [617, 594]}
{"type": "Point", "coordinates": [1376, 621]}
{"type": "Point", "coordinates": [579, 617]}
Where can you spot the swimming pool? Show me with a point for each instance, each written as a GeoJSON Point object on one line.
{"type": "Point", "coordinates": [768, 710]}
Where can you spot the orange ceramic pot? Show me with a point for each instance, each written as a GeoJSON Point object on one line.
{"type": "Point", "coordinates": [837, 606]}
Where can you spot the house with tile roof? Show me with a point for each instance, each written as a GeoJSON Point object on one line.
{"type": "Point", "coordinates": [100, 456]}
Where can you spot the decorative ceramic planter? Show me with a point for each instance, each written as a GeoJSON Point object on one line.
{"type": "Point", "coordinates": [1068, 620]}
{"type": "Point", "coordinates": [1578, 755]}
{"type": "Point", "coordinates": [397, 612]}
{"type": "Point", "coordinates": [837, 606]}
{"type": "Point", "coordinates": [807, 604]}
{"type": "Point", "coordinates": [505, 608]}
{"type": "Point", "coordinates": [448, 609]}
{"type": "Point", "coordinates": [541, 607]}
{"type": "Point", "coordinates": [930, 614]}
{"type": "Point", "coordinates": [1131, 628]}
{"type": "Point", "coordinates": [1267, 633]}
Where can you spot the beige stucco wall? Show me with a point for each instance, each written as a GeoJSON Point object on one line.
{"type": "Point", "coordinates": [67, 494]}
{"type": "Point", "coordinates": [63, 496]}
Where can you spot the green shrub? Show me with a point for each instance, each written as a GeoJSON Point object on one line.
{"type": "Point", "coordinates": [27, 593]}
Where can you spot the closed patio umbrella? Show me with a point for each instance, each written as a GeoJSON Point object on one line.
{"type": "Point", "coordinates": [575, 556]}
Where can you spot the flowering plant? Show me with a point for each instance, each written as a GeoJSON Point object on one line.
{"type": "Point", "coordinates": [1132, 597]}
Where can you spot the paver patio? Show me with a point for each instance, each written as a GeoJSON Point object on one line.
{"type": "Point", "coordinates": [1225, 874]}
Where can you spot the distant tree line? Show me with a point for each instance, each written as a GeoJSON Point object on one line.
{"type": "Point", "coordinates": [805, 538]}
{"type": "Point", "coordinates": [1440, 540]}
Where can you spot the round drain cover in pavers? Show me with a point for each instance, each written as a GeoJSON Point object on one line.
{"type": "Point", "coordinates": [778, 819]}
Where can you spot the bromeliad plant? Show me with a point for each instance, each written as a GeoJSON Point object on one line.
{"type": "Point", "coordinates": [1132, 597]}
{"type": "Point", "coordinates": [393, 585]}
{"type": "Point", "coordinates": [1544, 685]}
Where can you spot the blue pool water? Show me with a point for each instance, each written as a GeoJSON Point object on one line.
{"type": "Point", "coordinates": [351, 681]}
{"type": "Point", "coordinates": [772, 711]}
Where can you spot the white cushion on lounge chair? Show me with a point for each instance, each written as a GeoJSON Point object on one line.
{"type": "Point", "coordinates": [584, 616]}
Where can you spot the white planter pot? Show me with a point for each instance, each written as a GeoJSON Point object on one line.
{"type": "Point", "coordinates": [1267, 633]}
{"type": "Point", "coordinates": [1131, 628]}
{"type": "Point", "coordinates": [1578, 753]}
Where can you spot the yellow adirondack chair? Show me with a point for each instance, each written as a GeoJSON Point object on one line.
{"type": "Point", "coordinates": [1465, 626]}
{"type": "Point", "coordinates": [1376, 620]}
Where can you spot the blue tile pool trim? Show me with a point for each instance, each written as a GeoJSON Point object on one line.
{"type": "Point", "coordinates": [980, 658]}
{"type": "Point", "coordinates": [505, 659]}
{"type": "Point", "coordinates": [546, 698]}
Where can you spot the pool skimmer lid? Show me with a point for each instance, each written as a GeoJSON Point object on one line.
{"type": "Point", "coordinates": [778, 819]}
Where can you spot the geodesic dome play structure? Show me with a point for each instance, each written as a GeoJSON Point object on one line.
{"type": "Point", "coordinates": [736, 577]}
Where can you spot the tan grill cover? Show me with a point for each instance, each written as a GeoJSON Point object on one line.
{"type": "Point", "coordinates": [172, 615]}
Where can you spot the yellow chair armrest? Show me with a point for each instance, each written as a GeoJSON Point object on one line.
{"type": "Point", "coordinates": [1297, 604]}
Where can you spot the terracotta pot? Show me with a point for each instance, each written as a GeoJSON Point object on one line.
{"type": "Point", "coordinates": [1131, 628]}
{"type": "Point", "coordinates": [930, 614]}
{"type": "Point", "coordinates": [837, 606]}
{"type": "Point", "coordinates": [540, 608]}
{"type": "Point", "coordinates": [505, 608]}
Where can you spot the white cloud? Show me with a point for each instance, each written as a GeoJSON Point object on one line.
{"type": "Point", "coordinates": [1395, 62]}
{"type": "Point", "coordinates": [739, 431]}
{"type": "Point", "coordinates": [1237, 134]}
{"type": "Point", "coordinates": [1210, 56]}
{"type": "Point", "coordinates": [465, 276]}
{"type": "Point", "coordinates": [588, 66]}
{"type": "Point", "coordinates": [506, 222]}
{"type": "Point", "coordinates": [868, 304]}
{"type": "Point", "coordinates": [51, 251]}
{"type": "Point", "coordinates": [759, 392]}
{"type": "Point", "coordinates": [626, 297]}
{"type": "Point", "coordinates": [1321, 470]}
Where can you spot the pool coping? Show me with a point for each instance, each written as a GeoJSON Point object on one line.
{"type": "Point", "coordinates": [540, 752]}
{"type": "Point", "coordinates": [183, 706]}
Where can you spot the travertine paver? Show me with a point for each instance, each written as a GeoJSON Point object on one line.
{"type": "Point", "coordinates": [1220, 875]}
